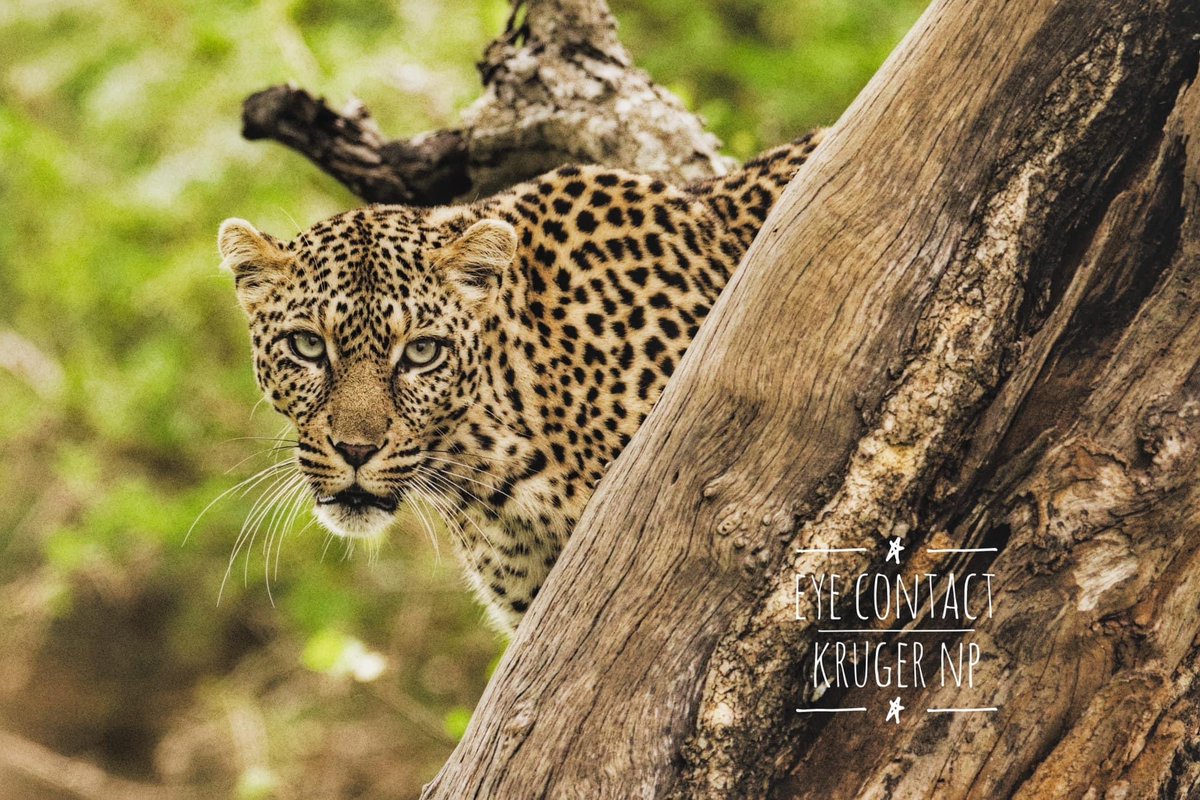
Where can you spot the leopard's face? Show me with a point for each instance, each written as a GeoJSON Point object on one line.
{"type": "Point", "coordinates": [366, 335]}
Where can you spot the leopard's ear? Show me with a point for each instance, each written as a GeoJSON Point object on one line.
{"type": "Point", "coordinates": [479, 256]}
{"type": "Point", "coordinates": [256, 260]}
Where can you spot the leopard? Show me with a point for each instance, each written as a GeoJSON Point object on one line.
{"type": "Point", "coordinates": [490, 359]}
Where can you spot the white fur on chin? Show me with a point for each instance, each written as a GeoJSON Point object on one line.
{"type": "Point", "coordinates": [354, 523]}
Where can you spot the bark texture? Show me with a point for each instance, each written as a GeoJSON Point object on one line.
{"type": "Point", "coordinates": [558, 88]}
{"type": "Point", "coordinates": [970, 319]}
{"type": "Point", "coordinates": [1084, 471]}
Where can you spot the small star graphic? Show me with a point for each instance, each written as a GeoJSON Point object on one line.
{"type": "Point", "coordinates": [894, 709]}
{"type": "Point", "coordinates": [894, 548]}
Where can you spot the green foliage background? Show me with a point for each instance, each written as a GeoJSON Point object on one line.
{"type": "Point", "coordinates": [127, 391]}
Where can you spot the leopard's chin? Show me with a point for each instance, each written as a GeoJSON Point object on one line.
{"type": "Point", "coordinates": [355, 514]}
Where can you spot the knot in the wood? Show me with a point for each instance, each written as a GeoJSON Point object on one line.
{"type": "Point", "coordinates": [713, 487]}
{"type": "Point", "coordinates": [1166, 433]}
{"type": "Point", "coordinates": [518, 726]}
{"type": "Point", "coordinates": [732, 519]}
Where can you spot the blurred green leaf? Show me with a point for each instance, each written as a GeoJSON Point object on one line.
{"type": "Point", "coordinates": [324, 650]}
{"type": "Point", "coordinates": [257, 783]}
{"type": "Point", "coordinates": [455, 722]}
{"type": "Point", "coordinates": [334, 653]}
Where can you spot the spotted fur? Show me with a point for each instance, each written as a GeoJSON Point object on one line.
{"type": "Point", "coordinates": [559, 309]}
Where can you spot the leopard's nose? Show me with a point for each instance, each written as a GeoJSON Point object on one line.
{"type": "Point", "coordinates": [356, 454]}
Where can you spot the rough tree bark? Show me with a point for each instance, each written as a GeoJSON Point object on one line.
{"type": "Point", "coordinates": [972, 322]}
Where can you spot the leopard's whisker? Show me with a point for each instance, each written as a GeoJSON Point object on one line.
{"type": "Point", "coordinates": [439, 506]}
{"type": "Point", "coordinates": [241, 539]}
{"type": "Point", "coordinates": [449, 486]}
{"type": "Point", "coordinates": [281, 524]}
{"type": "Point", "coordinates": [418, 496]}
{"type": "Point", "coordinates": [273, 508]}
{"type": "Point", "coordinates": [329, 537]}
{"type": "Point", "coordinates": [260, 453]}
{"type": "Point", "coordinates": [300, 495]}
{"type": "Point", "coordinates": [254, 407]}
{"type": "Point", "coordinates": [445, 460]}
{"type": "Point", "coordinates": [483, 456]}
{"type": "Point", "coordinates": [472, 480]}
{"type": "Point", "coordinates": [258, 439]}
{"type": "Point", "coordinates": [374, 547]}
{"type": "Point", "coordinates": [259, 512]}
{"type": "Point", "coordinates": [487, 410]}
{"type": "Point", "coordinates": [491, 545]}
{"type": "Point", "coordinates": [265, 504]}
{"type": "Point", "coordinates": [248, 483]}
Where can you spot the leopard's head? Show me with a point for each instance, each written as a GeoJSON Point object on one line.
{"type": "Point", "coordinates": [368, 334]}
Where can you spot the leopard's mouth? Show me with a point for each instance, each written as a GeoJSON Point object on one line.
{"type": "Point", "coordinates": [358, 499]}
{"type": "Point", "coordinates": [355, 513]}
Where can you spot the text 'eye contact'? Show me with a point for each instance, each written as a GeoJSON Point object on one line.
{"type": "Point", "coordinates": [422, 353]}
{"type": "Point", "coordinates": [308, 346]}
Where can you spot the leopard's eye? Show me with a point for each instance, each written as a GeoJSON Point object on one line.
{"type": "Point", "coordinates": [422, 352]}
{"type": "Point", "coordinates": [308, 346]}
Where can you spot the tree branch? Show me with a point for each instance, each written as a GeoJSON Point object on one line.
{"type": "Point", "coordinates": [427, 170]}
{"type": "Point", "coordinates": [559, 88]}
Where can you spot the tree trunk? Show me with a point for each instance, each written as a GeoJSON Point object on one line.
{"type": "Point", "coordinates": [970, 324]}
